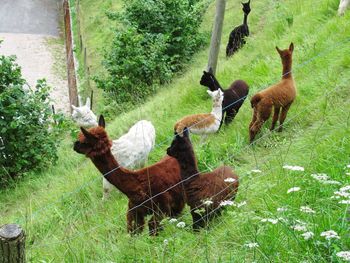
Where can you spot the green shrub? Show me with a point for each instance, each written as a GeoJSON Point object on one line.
{"type": "Point", "coordinates": [153, 40]}
{"type": "Point", "coordinates": [27, 137]}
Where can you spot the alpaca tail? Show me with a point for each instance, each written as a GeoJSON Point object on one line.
{"type": "Point", "coordinates": [255, 100]}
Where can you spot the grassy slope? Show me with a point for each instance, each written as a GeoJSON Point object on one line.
{"type": "Point", "coordinates": [80, 227]}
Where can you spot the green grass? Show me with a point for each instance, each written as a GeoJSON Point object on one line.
{"type": "Point", "coordinates": [79, 227]}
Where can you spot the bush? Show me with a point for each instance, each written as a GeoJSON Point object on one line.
{"type": "Point", "coordinates": [27, 139]}
{"type": "Point", "coordinates": [153, 41]}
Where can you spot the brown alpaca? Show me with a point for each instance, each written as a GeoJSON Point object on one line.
{"type": "Point", "coordinates": [140, 185]}
{"type": "Point", "coordinates": [204, 191]}
{"type": "Point", "coordinates": [279, 96]}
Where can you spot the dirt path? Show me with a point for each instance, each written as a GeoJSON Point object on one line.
{"type": "Point", "coordinates": [30, 30]}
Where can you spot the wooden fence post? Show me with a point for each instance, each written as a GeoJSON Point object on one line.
{"type": "Point", "coordinates": [216, 35]}
{"type": "Point", "coordinates": [12, 244]}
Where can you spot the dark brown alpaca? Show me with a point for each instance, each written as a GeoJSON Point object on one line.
{"type": "Point", "coordinates": [139, 185]}
{"type": "Point", "coordinates": [204, 191]}
{"type": "Point", "coordinates": [279, 96]}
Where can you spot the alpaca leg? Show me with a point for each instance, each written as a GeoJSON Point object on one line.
{"type": "Point", "coordinates": [253, 119]}
{"type": "Point", "coordinates": [135, 222]}
{"type": "Point", "coordinates": [198, 221]}
{"type": "Point", "coordinates": [275, 118]}
{"type": "Point", "coordinates": [230, 115]}
{"type": "Point", "coordinates": [283, 116]}
{"type": "Point", "coordinates": [263, 114]}
{"type": "Point", "coordinates": [107, 187]}
{"type": "Point", "coordinates": [253, 131]}
{"type": "Point", "coordinates": [154, 224]}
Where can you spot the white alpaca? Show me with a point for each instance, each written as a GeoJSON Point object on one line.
{"type": "Point", "coordinates": [342, 6]}
{"type": "Point", "coordinates": [204, 123]}
{"type": "Point", "coordinates": [131, 150]}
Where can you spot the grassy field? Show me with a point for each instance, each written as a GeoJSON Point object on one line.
{"type": "Point", "coordinates": [65, 219]}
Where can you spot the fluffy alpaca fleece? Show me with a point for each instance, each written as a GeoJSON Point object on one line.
{"type": "Point", "coordinates": [279, 96]}
{"type": "Point", "coordinates": [234, 96]}
{"type": "Point", "coordinates": [343, 5]}
{"type": "Point", "coordinates": [84, 116]}
{"type": "Point", "coordinates": [139, 185]}
{"type": "Point", "coordinates": [131, 149]}
{"type": "Point", "coordinates": [237, 35]}
{"type": "Point", "coordinates": [204, 191]}
{"type": "Point", "coordinates": [204, 123]}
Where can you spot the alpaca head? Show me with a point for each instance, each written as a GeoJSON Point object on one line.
{"type": "Point", "coordinates": [180, 146]}
{"type": "Point", "coordinates": [246, 7]}
{"type": "Point", "coordinates": [93, 142]}
{"type": "Point", "coordinates": [217, 97]}
{"type": "Point", "coordinates": [84, 116]}
{"type": "Point", "coordinates": [207, 80]}
{"type": "Point", "coordinates": [286, 54]}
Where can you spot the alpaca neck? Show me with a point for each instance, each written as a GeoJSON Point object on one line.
{"type": "Point", "coordinates": [245, 19]}
{"type": "Point", "coordinates": [216, 84]}
{"type": "Point", "coordinates": [120, 177]}
{"type": "Point", "coordinates": [217, 110]}
{"type": "Point", "coordinates": [287, 69]}
{"type": "Point", "coordinates": [188, 167]}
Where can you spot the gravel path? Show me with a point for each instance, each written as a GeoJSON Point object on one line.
{"type": "Point", "coordinates": [27, 27]}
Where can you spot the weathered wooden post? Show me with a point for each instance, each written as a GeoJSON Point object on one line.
{"type": "Point", "coordinates": [12, 244]}
{"type": "Point", "coordinates": [216, 35]}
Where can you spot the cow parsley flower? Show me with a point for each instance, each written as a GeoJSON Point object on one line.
{"type": "Point", "coordinates": [331, 182]}
{"type": "Point", "coordinates": [269, 220]}
{"type": "Point", "coordinates": [181, 225]}
{"type": "Point", "coordinates": [330, 234]}
{"type": "Point", "coordinates": [345, 255]}
{"type": "Point", "coordinates": [172, 220]}
{"type": "Point", "coordinates": [256, 171]}
{"type": "Point", "coordinates": [230, 180]}
{"type": "Point", "coordinates": [207, 202]}
{"type": "Point", "coordinates": [308, 235]}
{"type": "Point", "coordinates": [282, 209]}
{"type": "Point", "coordinates": [251, 245]}
{"type": "Point", "coordinates": [320, 176]}
{"type": "Point", "coordinates": [165, 242]}
{"type": "Point", "coordinates": [241, 204]}
{"type": "Point", "coordinates": [294, 168]}
{"type": "Point", "coordinates": [307, 209]}
{"type": "Point", "coordinates": [346, 202]}
{"type": "Point", "coordinates": [293, 189]}
{"type": "Point", "coordinates": [226, 203]}
{"type": "Point", "coordinates": [300, 228]}
{"type": "Point", "coordinates": [347, 173]}
{"type": "Point", "coordinates": [348, 166]}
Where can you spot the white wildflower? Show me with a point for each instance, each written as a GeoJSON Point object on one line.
{"type": "Point", "coordinates": [256, 171]}
{"type": "Point", "coordinates": [282, 209]}
{"type": "Point", "coordinates": [230, 180]}
{"type": "Point", "coordinates": [241, 204]}
{"type": "Point", "coordinates": [347, 173]}
{"type": "Point", "coordinates": [226, 203]}
{"type": "Point", "coordinates": [181, 225]}
{"type": "Point", "coordinates": [307, 209]}
{"type": "Point", "coordinates": [165, 242]}
{"type": "Point", "coordinates": [293, 189]}
{"type": "Point", "coordinates": [207, 202]}
{"type": "Point", "coordinates": [300, 228]}
{"type": "Point", "coordinates": [269, 220]}
{"type": "Point", "coordinates": [331, 182]}
{"type": "Point", "coordinates": [251, 245]}
{"type": "Point", "coordinates": [320, 176]}
{"type": "Point", "coordinates": [345, 255]}
{"type": "Point", "coordinates": [294, 168]}
{"type": "Point", "coordinates": [172, 220]}
{"type": "Point", "coordinates": [348, 166]}
{"type": "Point", "coordinates": [346, 202]}
{"type": "Point", "coordinates": [308, 235]}
{"type": "Point", "coordinates": [330, 234]}
{"type": "Point", "coordinates": [345, 188]}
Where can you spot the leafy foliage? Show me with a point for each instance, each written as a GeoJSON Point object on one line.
{"type": "Point", "coordinates": [27, 140]}
{"type": "Point", "coordinates": [154, 40]}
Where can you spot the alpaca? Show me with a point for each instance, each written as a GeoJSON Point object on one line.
{"type": "Point", "coordinates": [131, 149]}
{"type": "Point", "coordinates": [151, 190]}
{"type": "Point", "coordinates": [279, 96]}
{"type": "Point", "coordinates": [204, 123]}
{"type": "Point", "coordinates": [237, 35]}
{"type": "Point", "coordinates": [234, 96]}
{"type": "Point", "coordinates": [343, 5]}
{"type": "Point", "coordinates": [204, 191]}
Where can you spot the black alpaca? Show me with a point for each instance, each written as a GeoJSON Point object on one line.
{"type": "Point", "coordinates": [236, 39]}
{"type": "Point", "coordinates": [234, 96]}
{"type": "Point", "coordinates": [204, 191]}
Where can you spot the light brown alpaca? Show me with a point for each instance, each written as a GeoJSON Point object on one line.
{"type": "Point", "coordinates": [279, 96]}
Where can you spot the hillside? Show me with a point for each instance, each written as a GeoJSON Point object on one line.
{"type": "Point", "coordinates": [65, 219]}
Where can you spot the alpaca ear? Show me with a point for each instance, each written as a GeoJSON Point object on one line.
{"type": "Point", "coordinates": [278, 50]}
{"type": "Point", "coordinates": [74, 107]}
{"type": "Point", "coordinates": [101, 121]}
{"type": "Point", "coordinates": [210, 93]}
{"type": "Point", "coordinates": [88, 135]}
{"type": "Point", "coordinates": [88, 102]}
{"type": "Point", "coordinates": [185, 132]}
{"type": "Point", "coordinates": [291, 47]}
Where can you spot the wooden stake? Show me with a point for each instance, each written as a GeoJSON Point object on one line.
{"type": "Point", "coordinates": [12, 244]}
{"type": "Point", "coordinates": [216, 35]}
